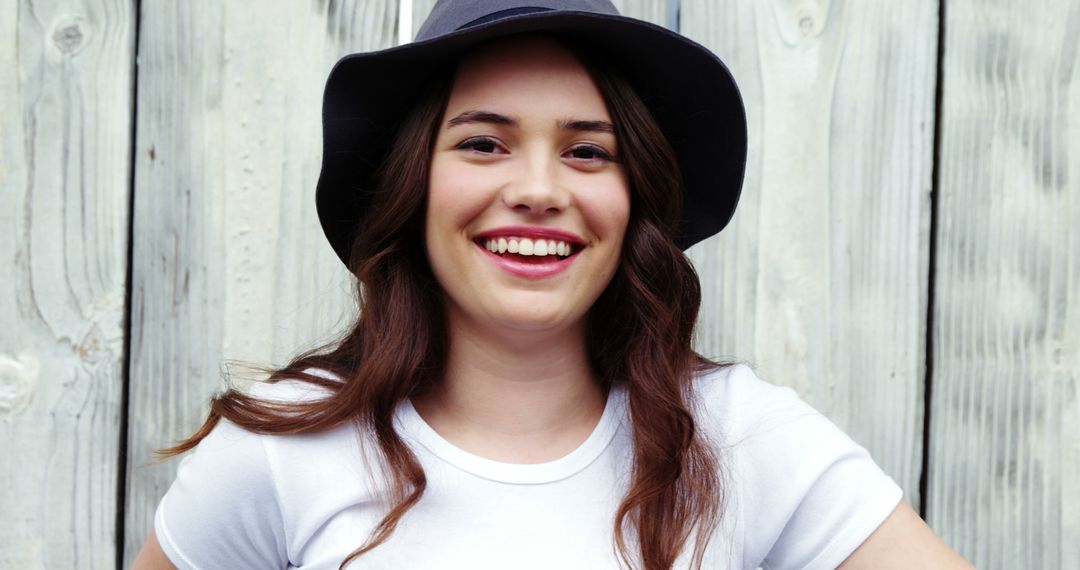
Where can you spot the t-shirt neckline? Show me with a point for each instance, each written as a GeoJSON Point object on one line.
{"type": "Point", "coordinates": [414, 427]}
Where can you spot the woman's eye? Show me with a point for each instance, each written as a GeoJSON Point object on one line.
{"type": "Point", "coordinates": [486, 145]}
{"type": "Point", "coordinates": [480, 144]}
{"type": "Point", "coordinates": [589, 152]}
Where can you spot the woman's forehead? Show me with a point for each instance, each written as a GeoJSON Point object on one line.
{"type": "Point", "coordinates": [533, 72]}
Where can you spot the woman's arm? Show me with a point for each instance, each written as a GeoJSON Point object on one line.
{"type": "Point", "coordinates": [904, 541]}
{"type": "Point", "coordinates": [152, 557]}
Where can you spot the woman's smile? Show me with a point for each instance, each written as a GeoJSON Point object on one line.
{"type": "Point", "coordinates": [530, 252]}
{"type": "Point", "coordinates": [527, 202]}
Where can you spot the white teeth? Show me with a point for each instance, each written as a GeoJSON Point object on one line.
{"type": "Point", "coordinates": [527, 246]}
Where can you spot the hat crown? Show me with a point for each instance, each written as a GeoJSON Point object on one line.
{"type": "Point", "coordinates": [452, 15]}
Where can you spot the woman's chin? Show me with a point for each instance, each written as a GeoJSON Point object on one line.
{"type": "Point", "coordinates": [528, 319]}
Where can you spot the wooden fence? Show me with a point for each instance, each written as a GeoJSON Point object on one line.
{"type": "Point", "coordinates": [906, 254]}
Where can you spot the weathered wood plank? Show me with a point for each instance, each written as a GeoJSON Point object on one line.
{"type": "Point", "coordinates": [65, 143]}
{"type": "Point", "coordinates": [229, 261]}
{"type": "Point", "coordinates": [1005, 416]}
{"type": "Point", "coordinates": [820, 281]}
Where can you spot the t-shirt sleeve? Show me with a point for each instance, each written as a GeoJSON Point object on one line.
{"type": "Point", "coordinates": [811, 495]}
{"type": "Point", "coordinates": [222, 511]}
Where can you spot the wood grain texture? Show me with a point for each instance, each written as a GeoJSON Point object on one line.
{"type": "Point", "coordinates": [820, 281]}
{"type": "Point", "coordinates": [229, 261]}
{"type": "Point", "coordinates": [65, 143]}
{"type": "Point", "coordinates": [1005, 429]}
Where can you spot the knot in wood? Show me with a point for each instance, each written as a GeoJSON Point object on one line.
{"type": "Point", "coordinates": [68, 37]}
{"type": "Point", "coordinates": [18, 380]}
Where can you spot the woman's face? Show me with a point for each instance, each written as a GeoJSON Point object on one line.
{"type": "Point", "coordinates": [524, 155]}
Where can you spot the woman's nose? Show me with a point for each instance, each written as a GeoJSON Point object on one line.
{"type": "Point", "coordinates": [536, 188]}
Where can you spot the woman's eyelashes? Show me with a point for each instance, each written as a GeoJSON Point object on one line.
{"type": "Point", "coordinates": [591, 149]}
{"type": "Point", "coordinates": [479, 144]}
{"type": "Point", "coordinates": [485, 145]}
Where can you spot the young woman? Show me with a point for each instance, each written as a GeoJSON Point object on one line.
{"type": "Point", "coordinates": [519, 390]}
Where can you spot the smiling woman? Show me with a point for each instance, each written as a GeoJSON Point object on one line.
{"type": "Point", "coordinates": [519, 388]}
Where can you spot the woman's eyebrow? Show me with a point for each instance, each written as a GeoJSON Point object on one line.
{"type": "Point", "coordinates": [481, 117]}
{"type": "Point", "coordinates": [587, 126]}
{"type": "Point", "coordinates": [499, 119]}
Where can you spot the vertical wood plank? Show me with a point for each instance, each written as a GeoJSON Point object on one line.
{"type": "Point", "coordinates": [229, 260]}
{"type": "Point", "coordinates": [65, 137]}
{"type": "Point", "coordinates": [820, 281]}
{"type": "Point", "coordinates": [1005, 431]}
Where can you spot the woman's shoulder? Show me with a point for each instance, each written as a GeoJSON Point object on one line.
{"type": "Point", "coordinates": [285, 465]}
{"type": "Point", "coordinates": [732, 380]}
{"type": "Point", "coordinates": [242, 496]}
{"type": "Point", "coordinates": [808, 493]}
{"type": "Point", "coordinates": [296, 389]}
{"type": "Point", "coordinates": [734, 396]}
{"type": "Point", "coordinates": [222, 506]}
{"type": "Point", "coordinates": [231, 446]}
{"type": "Point", "coordinates": [326, 446]}
{"type": "Point", "coordinates": [748, 410]}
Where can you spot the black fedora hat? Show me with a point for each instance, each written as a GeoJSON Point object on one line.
{"type": "Point", "coordinates": [689, 91]}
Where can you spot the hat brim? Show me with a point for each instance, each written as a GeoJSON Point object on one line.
{"type": "Point", "coordinates": [690, 92]}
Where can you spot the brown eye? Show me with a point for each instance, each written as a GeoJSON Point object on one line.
{"type": "Point", "coordinates": [589, 152]}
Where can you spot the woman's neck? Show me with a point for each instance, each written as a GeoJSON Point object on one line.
{"type": "Point", "coordinates": [520, 397]}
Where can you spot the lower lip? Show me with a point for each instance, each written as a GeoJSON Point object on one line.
{"type": "Point", "coordinates": [531, 270]}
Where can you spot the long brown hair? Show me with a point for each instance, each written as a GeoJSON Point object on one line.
{"type": "Point", "coordinates": [396, 348]}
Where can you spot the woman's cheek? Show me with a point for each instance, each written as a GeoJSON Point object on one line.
{"type": "Point", "coordinates": [608, 211]}
{"type": "Point", "coordinates": [460, 194]}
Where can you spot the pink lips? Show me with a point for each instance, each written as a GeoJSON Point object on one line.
{"type": "Point", "coordinates": [533, 269]}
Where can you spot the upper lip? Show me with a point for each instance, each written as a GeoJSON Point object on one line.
{"type": "Point", "coordinates": [533, 232]}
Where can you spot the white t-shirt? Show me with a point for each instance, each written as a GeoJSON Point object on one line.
{"type": "Point", "coordinates": [800, 493]}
